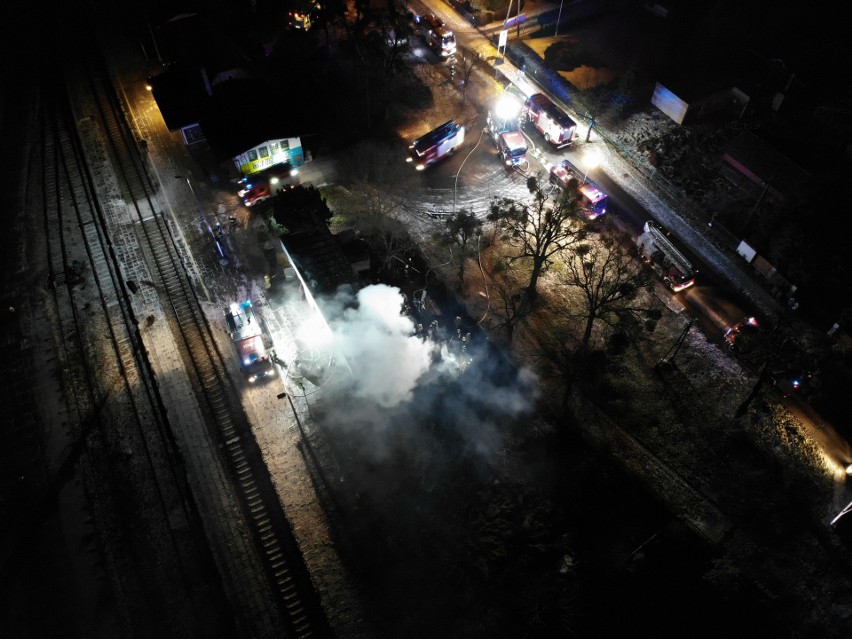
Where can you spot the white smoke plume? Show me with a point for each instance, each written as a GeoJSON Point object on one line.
{"type": "Point", "coordinates": [379, 346]}
{"type": "Point", "coordinates": [401, 380]}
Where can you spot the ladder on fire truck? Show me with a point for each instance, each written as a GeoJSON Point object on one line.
{"type": "Point", "coordinates": [662, 243]}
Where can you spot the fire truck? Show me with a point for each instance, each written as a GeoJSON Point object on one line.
{"type": "Point", "coordinates": [593, 200]}
{"type": "Point", "coordinates": [438, 143]}
{"type": "Point", "coordinates": [503, 125]}
{"type": "Point", "coordinates": [436, 34]}
{"type": "Point", "coordinates": [259, 187]}
{"type": "Point", "coordinates": [668, 262]}
{"type": "Point", "coordinates": [553, 123]}
{"type": "Point", "coordinates": [249, 340]}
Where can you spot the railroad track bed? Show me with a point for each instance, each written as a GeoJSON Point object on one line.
{"type": "Point", "coordinates": [188, 521]}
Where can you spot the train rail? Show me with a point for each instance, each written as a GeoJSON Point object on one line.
{"type": "Point", "coordinates": [110, 254]}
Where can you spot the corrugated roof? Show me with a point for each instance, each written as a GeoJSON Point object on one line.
{"type": "Point", "coordinates": [320, 258]}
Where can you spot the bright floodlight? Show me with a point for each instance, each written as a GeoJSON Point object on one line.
{"type": "Point", "coordinates": [274, 180]}
{"type": "Point", "coordinates": [591, 159]}
{"type": "Point", "coordinates": [507, 108]}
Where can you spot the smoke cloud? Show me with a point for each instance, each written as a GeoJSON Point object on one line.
{"type": "Point", "coordinates": [403, 384]}
{"type": "Point", "coordinates": [378, 343]}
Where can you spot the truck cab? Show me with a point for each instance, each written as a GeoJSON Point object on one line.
{"type": "Point", "coordinates": [512, 148]}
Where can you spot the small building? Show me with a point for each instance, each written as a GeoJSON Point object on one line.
{"type": "Point", "coordinates": [181, 93]}
{"type": "Point", "coordinates": [269, 153]}
{"type": "Point", "coordinates": [698, 88]}
{"type": "Point", "coordinates": [753, 164]}
{"type": "Point", "coordinates": [208, 94]}
{"type": "Point", "coordinates": [252, 126]}
{"type": "Point", "coordinates": [682, 102]}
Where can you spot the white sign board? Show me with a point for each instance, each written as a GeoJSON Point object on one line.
{"type": "Point", "coordinates": [504, 37]}
{"type": "Point", "coordinates": [747, 253]}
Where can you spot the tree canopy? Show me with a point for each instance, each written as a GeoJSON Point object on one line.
{"type": "Point", "coordinates": [541, 228]}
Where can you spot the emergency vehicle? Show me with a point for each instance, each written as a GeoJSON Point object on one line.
{"type": "Point", "coordinates": [512, 148]}
{"type": "Point", "coordinates": [250, 342]}
{"type": "Point", "coordinates": [435, 145]}
{"type": "Point", "coordinates": [668, 262]}
{"type": "Point", "coordinates": [259, 187]}
{"type": "Point", "coordinates": [510, 142]}
{"type": "Point", "coordinates": [553, 123]}
{"type": "Point", "coordinates": [436, 34]}
{"type": "Point", "coordinates": [593, 200]}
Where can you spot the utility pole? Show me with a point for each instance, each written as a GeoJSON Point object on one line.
{"type": "Point", "coordinates": [675, 346]}
{"type": "Point", "coordinates": [759, 200]}
{"type": "Point", "coordinates": [558, 18]}
{"type": "Point", "coordinates": [153, 38]}
{"type": "Point", "coordinates": [764, 373]}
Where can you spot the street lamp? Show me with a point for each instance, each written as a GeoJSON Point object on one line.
{"type": "Point", "coordinates": [558, 18]}
{"type": "Point", "coordinates": [197, 204]}
{"type": "Point", "coordinates": [223, 258]}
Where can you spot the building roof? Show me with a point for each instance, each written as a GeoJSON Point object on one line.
{"type": "Point", "coordinates": [243, 113]}
{"type": "Point", "coordinates": [194, 40]}
{"type": "Point", "coordinates": [320, 258]}
{"type": "Point", "coordinates": [180, 94]}
{"type": "Point", "coordinates": [763, 164]}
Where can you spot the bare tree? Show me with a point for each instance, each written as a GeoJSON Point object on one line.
{"type": "Point", "coordinates": [467, 62]}
{"type": "Point", "coordinates": [609, 280]}
{"type": "Point", "coordinates": [462, 227]}
{"type": "Point", "coordinates": [395, 32]}
{"type": "Point", "coordinates": [548, 224]}
{"type": "Point", "coordinates": [507, 302]}
{"type": "Point", "coordinates": [378, 218]}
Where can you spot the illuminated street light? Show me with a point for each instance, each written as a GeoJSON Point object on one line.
{"type": "Point", "coordinates": [591, 159]}
{"type": "Point", "coordinates": [507, 108]}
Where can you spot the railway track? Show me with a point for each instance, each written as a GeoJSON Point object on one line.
{"type": "Point", "coordinates": [111, 254]}
{"type": "Point", "coordinates": [122, 434]}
